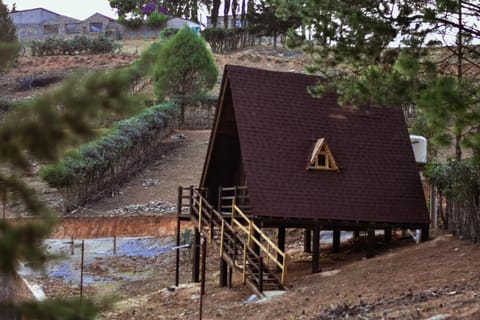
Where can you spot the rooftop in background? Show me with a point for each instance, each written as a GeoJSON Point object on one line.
{"type": "Point", "coordinates": [79, 10]}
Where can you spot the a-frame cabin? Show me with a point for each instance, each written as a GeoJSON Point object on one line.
{"type": "Point", "coordinates": [289, 160]}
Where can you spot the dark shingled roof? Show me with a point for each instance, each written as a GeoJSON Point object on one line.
{"type": "Point", "coordinates": [278, 123]}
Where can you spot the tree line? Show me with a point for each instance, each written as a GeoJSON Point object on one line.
{"type": "Point", "coordinates": [406, 53]}
{"type": "Point", "coordinates": [249, 18]}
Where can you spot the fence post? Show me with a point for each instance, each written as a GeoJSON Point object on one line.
{"type": "Point", "coordinates": [191, 200]}
{"type": "Point", "coordinates": [81, 270]}
{"type": "Point", "coordinates": [177, 257]}
{"type": "Point", "coordinates": [221, 238]}
{"type": "Point", "coordinates": [72, 247]}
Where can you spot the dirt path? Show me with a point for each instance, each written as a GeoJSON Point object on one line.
{"type": "Point", "coordinates": [159, 182]}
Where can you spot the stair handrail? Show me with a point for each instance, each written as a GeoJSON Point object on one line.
{"type": "Point", "coordinates": [251, 237]}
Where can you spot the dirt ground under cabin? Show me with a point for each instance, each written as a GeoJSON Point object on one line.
{"type": "Point", "coordinates": [439, 279]}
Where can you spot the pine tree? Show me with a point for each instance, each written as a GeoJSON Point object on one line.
{"type": "Point", "coordinates": [398, 53]}
{"type": "Point", "coordinates": [185, 66]}
{"type": "Point", "coordinates": [6, 25]}
{"type": "Point", "coordinates": [214, 14]}
{"type": "Point", "coordinates": [263, 20]}
{"type": "Point", "coordinates": [226, 10]}
{"type": "Point", "coordinates": [37, 129]}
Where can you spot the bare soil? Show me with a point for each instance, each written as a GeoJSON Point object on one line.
{"type": "Point", "coordinates": [439, 279]}
{"type": "Point", "coordinates": [52, 67]}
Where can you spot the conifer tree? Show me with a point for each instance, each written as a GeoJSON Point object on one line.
{"type": "Point", "coordinates": [39, 129]}
{"type": "Point", "coordinates": [400, 53]}
{"type": "Point", "coordinates": [185, 66]}
{"type": "Point", "coordinates": [6, 25]}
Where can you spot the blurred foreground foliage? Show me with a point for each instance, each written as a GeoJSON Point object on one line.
{"type": "Point", "coordinates": [38, 130]}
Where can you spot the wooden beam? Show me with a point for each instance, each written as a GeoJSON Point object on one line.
{"type": "Point", "coordinates": [256, 247]}
{"type": "Point", "coordinates": [336, 241]}
{"type": "Point", "coordinates": [307, 241]}
{"type": "Point", "coordinates": [281, 242]}
{"type": "Point", "coordinates": [223, 273]}
{"type": "Point", "coordinates": [316, 249]}
{"type": "Point", "coordinates": [204, 264]}
{"type": "Point", "coordinates": [356, 234]}
{"type": "Point", "coordinates": [370, 243]}
{"type": "Point", "coordinates": [387, 234]}
{"type": "Point", "coordinates": [425, 233]}
{"type": "Point", "coordinates": [328, 224]}
{"type": "Point", "coordinates": [196, 256]}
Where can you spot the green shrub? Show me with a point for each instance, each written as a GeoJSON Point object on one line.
{"type": "Point", "coordinates": [458, 186]}
{"type": "Point", "coordinates": [133, 23]}
{"type": "Point", "coordinates": [97, 157]}
{"type": "Point", "coordinates": [5, 104]}
{"type": "Point", "coordinates": [78, 45]}
{"type": "Point", "coordinates": [221, 39]}
{"type": "Point", "coordinates": [103, 44]}
{"type": "Point", "coordinates": [157, 19]}
{"type": "Point", "coordinates": [168, 33]}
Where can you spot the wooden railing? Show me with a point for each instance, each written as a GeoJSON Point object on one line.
{"type": "Point", "coordinates": [234, 228]}
{"type": "Point", "coordinates": [228, 195]}
{"type": "Point", "coordinates": [256, 235]}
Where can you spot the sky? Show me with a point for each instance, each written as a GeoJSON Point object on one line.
{"type": "Point", "coordinates": [74, 9]}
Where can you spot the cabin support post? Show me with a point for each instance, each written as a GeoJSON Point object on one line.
{"type": "Point", "coordinates": [230, 273]}
{"type": "Point", "coordinates": [387, 235]}
{"type": "Point", "coordinates": [356, 234]}
{"type": "Point", "coordinates": [196, 257]}
{"type": "Point", "coordinates": [223, 273]}
{"type": "Point", "coordinates": [370, 242]}
{"type": "Point", "coordinates": [256, 247]}
{"type": "Point", "coordinates": [336, 241]}
{"type": "Point", "coordinates": [204, 264]}
{"type": "Point", "coordinates": [425, 233]}
{"type": "Point", "coordinates": [307, 241]}
{"type": "Point", "coordinates": [281, 242]}
{"type": "Point", "coordinates": [316, 248]}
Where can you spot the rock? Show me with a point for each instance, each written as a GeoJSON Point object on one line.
{"type": "Point", "coordinates": [149, 182]}
{"type": "Point", "coordinates": [151, 207]}
{"type": "Point", "coordinates": [439, 317]}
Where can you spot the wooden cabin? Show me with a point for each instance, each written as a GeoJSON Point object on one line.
{"type": "Point", "coordinates": [289, 160]}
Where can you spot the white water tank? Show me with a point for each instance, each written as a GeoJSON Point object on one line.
{"type": "Point", "coordinates": [419, 146]}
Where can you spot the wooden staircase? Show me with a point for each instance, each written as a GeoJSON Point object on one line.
{"type": "Point", "coordinates": [242, 245]}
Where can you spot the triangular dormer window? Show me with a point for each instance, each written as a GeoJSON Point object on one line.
{"type": "Point", "coordinates": [322, 158]}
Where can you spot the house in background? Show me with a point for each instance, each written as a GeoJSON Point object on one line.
{"type": "Point", "coordinates": [40, 23]}
{"type": "Point", "coordinates": [99, 23]}
{"type": "Point", "coordinates": [179, 23]}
